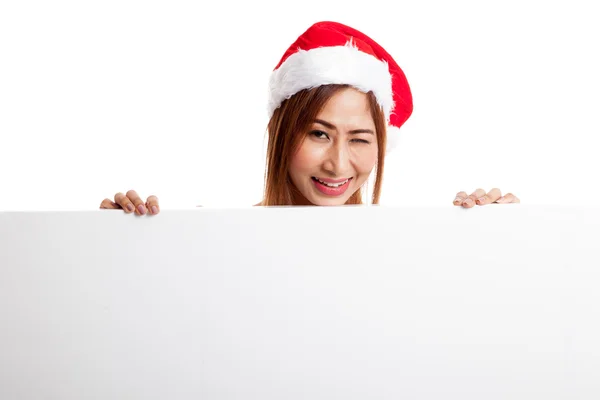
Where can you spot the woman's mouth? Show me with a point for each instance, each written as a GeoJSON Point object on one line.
{"type": "Point", "coordinates": [331, 187]}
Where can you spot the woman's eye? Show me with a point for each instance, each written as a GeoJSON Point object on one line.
{"type": "Point", "coordinates": [361, 141]}
{"type": "Point", "coordinates": [319, 134]}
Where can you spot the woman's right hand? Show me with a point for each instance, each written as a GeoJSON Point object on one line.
{"type": "Point", "coordinates": [131, 202]}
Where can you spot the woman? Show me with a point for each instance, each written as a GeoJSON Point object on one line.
{"type": "Point", "coordinates": [336, 103]}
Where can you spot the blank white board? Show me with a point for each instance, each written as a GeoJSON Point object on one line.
{"type": "Point", "coordinates": [495, 302]}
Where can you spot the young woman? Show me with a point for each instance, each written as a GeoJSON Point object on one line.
{"type": "Point", "coordinates": [337, 101]}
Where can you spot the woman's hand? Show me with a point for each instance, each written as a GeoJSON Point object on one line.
{"type": "Point", "coordinates": [481, 198]}
{"type": "Point", "coordinates": [131, 202]}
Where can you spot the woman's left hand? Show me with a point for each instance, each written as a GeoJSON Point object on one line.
{"type": "Point", "coordinates": [481, 198]}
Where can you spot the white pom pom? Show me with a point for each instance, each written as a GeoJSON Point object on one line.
{"type": "Point", "coordinates": [393, 138]}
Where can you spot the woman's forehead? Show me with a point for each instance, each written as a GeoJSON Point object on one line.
{"type": "Point", "coordinates": [347, 105]}
{"type": "Point", "coordinates": [347, 100]}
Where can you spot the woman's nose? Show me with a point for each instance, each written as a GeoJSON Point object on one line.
{"type": "Point", "coordinates": [338, 159]}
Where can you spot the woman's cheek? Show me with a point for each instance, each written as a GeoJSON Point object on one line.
{"type": "Point", "coordinates": [367, 160]}
{"type": "Point", "coordinates": [306, 157]}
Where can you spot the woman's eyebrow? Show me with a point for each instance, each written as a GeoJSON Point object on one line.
{"type": "Point", "coordinates": [329, 125]}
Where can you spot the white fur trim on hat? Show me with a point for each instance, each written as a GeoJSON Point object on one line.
{"type": "Point", "coordinates": [307, 69]}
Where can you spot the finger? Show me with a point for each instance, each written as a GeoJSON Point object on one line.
{"type": "Point", "coordinates": [460, 198]}
{"type": "Point", "coordinates": [140, 208]}
{"type": "Point", "coordinates": [107, 204]}
{"type": "Point", "coordinates": [152, 205]}
{"type": "Point", "coordinates": [470, 200]}
{"type": "Point", "coordinates": [124, 202]}
{"type": "Point", "coordinates": [508, 198]}
{"type": "Point", "coordinates": [490, 197]}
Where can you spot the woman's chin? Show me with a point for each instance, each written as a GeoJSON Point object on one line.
{"type": "Point", "coordinates": [328, 201]}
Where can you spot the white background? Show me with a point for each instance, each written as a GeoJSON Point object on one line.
{"type": "Point", "coordinates": [169, 98]}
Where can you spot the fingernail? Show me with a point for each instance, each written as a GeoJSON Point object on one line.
{"type": "Point", "coordinates": [468, 202]}
{"type": "Point", "coordinates": [154, 210]}
{"type": "Point", "coordinates": [141, 209]}
{"type": "Point", "coordinates": [457, 200]}
{"type": "Point", "coordinates": [130, 207]}
{"type": "Point", "coordinates": [481, 200]}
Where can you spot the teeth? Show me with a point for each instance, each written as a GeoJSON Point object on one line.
{"type": "Point", "coordinates": [333, 185]}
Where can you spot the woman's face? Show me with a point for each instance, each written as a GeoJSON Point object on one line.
{"type": "Point", "coordinates": [339, 152]}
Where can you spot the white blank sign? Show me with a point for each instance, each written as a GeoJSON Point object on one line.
{"type": "Point", "coordinates": [495, 302]}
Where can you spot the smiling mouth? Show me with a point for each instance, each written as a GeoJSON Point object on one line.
{"type": "Point", "coordinates": [331, 189]}
{"type": "Point", "coordinates": [331, 185]}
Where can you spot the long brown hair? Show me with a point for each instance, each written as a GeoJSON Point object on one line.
{"type": "Point", "coordinates": [287, 129]}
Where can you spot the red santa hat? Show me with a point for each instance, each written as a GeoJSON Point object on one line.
{"type": "Point", "coordinates": [332, 53]}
